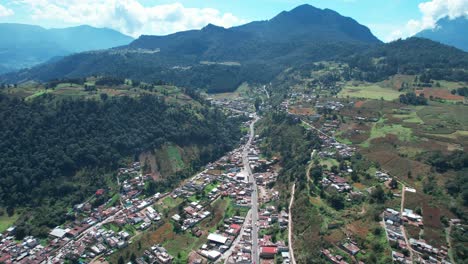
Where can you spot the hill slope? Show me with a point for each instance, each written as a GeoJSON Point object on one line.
{"type": "Point", "coordinates": [194, 58]}
{"type": "Point", "coordinates": [451, 32]}
{"type": "Point", "coordinates": [29, 45]}
{"type": "Point", "coordinates": [411, 56]}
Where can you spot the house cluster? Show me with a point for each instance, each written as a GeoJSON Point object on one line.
{"type": "Point", "coordinates": [410, 217]}
{"type": "Point", "coordinates": [223, 238]}
{"type": "Point", "coordinates": [336, 259]}
{"type": "Point", "coordinates": [238, 105]}
{"type": "Point", "coordinates": [195, 185]}
{"type": "Point", "coordinates": [29, 250]}
{"type": "Point", "coordinates": [192, 214]}
{"type": "Point", "coordinates": [382, 176]}
{"type": "Point", "coordinates": [157, 254]}
{"type": "Point", "coordinates": [95, 241]}
{"type": "Point", "coordinates": [332, 149]}
{"type": "Point", "coordinates": [269, 249]}
{"type": "Point", "coordinates": [330, 105]}
{"type": "Point", "coordinates": [238, 191]}
{"type": "Point", "coordinates": [393, 222]}
{"type": "Point", "coordinates": [270, 216]}
{"type": "Point", "coordinates": [435, 254]}
{"type": "Point", "coordinates": [340, 184]}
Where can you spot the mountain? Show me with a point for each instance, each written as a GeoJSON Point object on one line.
{"type": "Point", "coordinates": [449, 31]}
{"type": "Point", "coordinates": [28, 45]}
{"type": "Point", "coordinates": [216, 58]}
{"type": "Point", "coordinates": [288, 36]}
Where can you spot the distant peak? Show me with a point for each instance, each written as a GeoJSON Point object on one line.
{"type": "Point", "coordinates": [211, 27]}
{"type": "Point", "coordinates": [304, 7]}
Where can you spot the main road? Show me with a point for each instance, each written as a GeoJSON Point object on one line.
{"type": "Point", "coordinates": [245, 161]}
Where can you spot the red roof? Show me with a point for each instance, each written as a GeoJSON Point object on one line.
{"type": "Point", "coordinates": [100, 192]}
{"type": "Point", "coordinates": [269, 250]}
{"type": "Point", "coordinates": [235, 226]}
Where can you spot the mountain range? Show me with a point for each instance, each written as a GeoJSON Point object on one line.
{"type": "Point", "coordinates": [453, 32]}
{"type": "Point", "coordinates": [28, 45]}
{"type": "Point", "coordinates": [219, 59]}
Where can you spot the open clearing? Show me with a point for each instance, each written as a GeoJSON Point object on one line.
{"type": "Point", "coordinates": [6, 221]}
{"type": "Point", "coordinates": [439, 93]}
{"type": "Point", "coordinates": [369, 91]}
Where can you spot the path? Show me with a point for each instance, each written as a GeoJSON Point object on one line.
{"type": "Point", "coordinates": [267, 94]}
{"type": "Point", "coordinates": [290, 225]}
{"type": "Point", "coordinates": [448, 230]}
{"type": "Point", "coordinates": [311, 164]}
{"type": "Point", "coordinates": [402, 226]}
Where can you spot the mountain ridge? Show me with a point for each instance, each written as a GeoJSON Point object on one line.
{"type": "Point", "coordinates": [29, 45]}
{"type": "Point", "coordinates": [449, 31]}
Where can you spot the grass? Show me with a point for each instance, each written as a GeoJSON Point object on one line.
{"type": "Point", "coordinates": [412, 117]}
{"type": "Point", "coordinates": [380, 130]}
{"type": "Point", "coordinates": [175, 158]}
{"type": "Point", "coordinates": [369, 91]}
{"type": "Point", "coordinates": [329, 162]}
{"type": "Point", "coordinates": [209, 188]}
{"type": "Point", "coordinates": [182, 244]}
{"type": "Point", "coordinates": [7, 221]}
{"type": "Point", "coordinates": [114, 200]}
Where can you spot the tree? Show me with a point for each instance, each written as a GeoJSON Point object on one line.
{"type": "Point", "coordinates": [104, 96]}
{"type": "Point", "coordinates": [378, 195]}
{"type": "Point", "coordinates": [133, 258]}
{"type": "Point", "coordinates": [337, 201]}
{"type": "Point", "coordinates": [393, 184]}
{"type": "Point", "coordinates": [121, 260]}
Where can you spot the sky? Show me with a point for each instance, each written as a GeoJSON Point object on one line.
{"type": "Point", "coordinates": [387, 19]}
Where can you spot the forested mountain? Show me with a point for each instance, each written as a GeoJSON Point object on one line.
{"type": "Point", "coordinates": [253, 52]}
{"type": "Point", "coordinates": [56, 152]}
{"type": "Point", "coordinates": [451, 32]}
{"type": "Point", "coordinates": [28, 45]}
{"type": "Point", "coordinates": [410, 56]}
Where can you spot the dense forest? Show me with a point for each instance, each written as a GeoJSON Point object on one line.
{"type": "Point", "coordinates": [54, 153]}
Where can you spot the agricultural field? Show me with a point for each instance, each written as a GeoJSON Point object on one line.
{"type": "Point", "coordinates": [369, 91]}
{"type": "Point", "coordinates": [31, 90]}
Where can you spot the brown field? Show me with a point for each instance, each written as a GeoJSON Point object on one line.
{"type": "Point", "coordinates": [434, 236]}
{"type": "Point", "coordinates": [439, 93]}
{"type": "Point", "coordinates": [359, 228]}
{"type": "Point", "coordinates": [359, 104]}
{"type": "Point", "coordinates": [335, 236]}
{"type": "Point", "coordinates": [413, 231]}
{"type": "Point", "coordinates": [431, 217]}
{"type": "Point", "coordinates": [302, 110]}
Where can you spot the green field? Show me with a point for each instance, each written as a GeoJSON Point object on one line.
{"type": "Point", "coordinates": [411, 117]}
{"type": "Point", "coordinates": [6, 221]}
{"type": "Point", "coordinates": [369, 91]}
{"type": "Point", "coordinates": [380, 130]}
{"type": "Point", "coordinates": [175, 158]}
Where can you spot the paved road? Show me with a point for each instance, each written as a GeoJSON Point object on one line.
{"type": "Point", "coordinates": [245, 161]}
{"type": "Point", "coordinates": [290, 225]}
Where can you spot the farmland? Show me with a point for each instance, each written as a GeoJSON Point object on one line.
{"type": "Point", "coordinates": [369, 91]}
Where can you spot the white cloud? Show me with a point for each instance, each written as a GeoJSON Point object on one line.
{"type": "Point", "coordinates": [4, 12]}
{"type": "Point", "coordinates": [431, 12]}
{"type": "Point", "coordinates": [128, 16]}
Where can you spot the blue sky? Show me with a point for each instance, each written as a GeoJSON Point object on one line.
{"type": "Point", "coordinates": [387, 19]}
